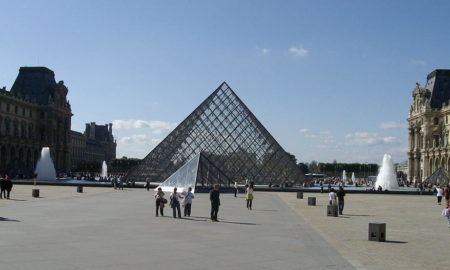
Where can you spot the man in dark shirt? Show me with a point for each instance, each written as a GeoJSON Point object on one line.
{"type": "Point", "coordinates": [215, 202]}
{"type": "Point", "coordinates": [340, 194]}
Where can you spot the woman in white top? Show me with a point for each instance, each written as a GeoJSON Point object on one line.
{"type": "Point", "coordinates": [332, 197]}
{"type": "Point", "coordinates": [439, 193]}
{"type": "Point", "coordinates": [249, 196]}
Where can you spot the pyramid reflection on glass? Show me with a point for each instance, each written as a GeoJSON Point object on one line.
{"type": "Point", "coordinates": [227, 133]}
{"type": "Point", "coordinates": [197, 171]}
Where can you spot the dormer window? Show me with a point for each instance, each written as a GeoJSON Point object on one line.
{"type": "Point", "coordinates": [435, 121]}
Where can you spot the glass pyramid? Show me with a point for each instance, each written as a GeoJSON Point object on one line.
{"type": "Point", "coordinates": [199, 171]}
{"type": "Point", "coordinates": [439, 177]}
{"type": "Point", "coordinates": [227, 133]}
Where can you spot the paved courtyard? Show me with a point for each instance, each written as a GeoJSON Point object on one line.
{"type": "Point", "coordinates": [107, 229]}
{"type": "Point", "coordinates": [417, 234]}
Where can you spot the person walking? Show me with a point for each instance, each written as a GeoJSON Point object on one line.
{"type": "Point", "coordinates": [236, 189]}
{"type": "Point", "coordinates": [121, 183]}
{"type": "Point", "coordinates": [160, 201]}
{"type": "Point", "coordinates": [332, 197]}
{"type": "Point", "coordinates": [439, 193]}
{"type": "Point", "coordinates": [214, 197]}
{"type": "Point", "coordinates": [147, 184]}
{"type": "Point", "coordinates": [420, 188]}
{"type": "Point", "coordinates": [8, 187]}
{"type": "Point", "coordinates": [114, 182]}
{"type": "Point", "coordinates": [175, 203]}
{"type": "Point", "coordinates": [2, 188]}
{"type": "Point", "coordinates": [340, 195]}
{"type": "Point", "coordinates": [447, 194]}
{"type": "Point", "coordinates": [188, 196]}
{"type": "Point", "coordinates": [249, 196]}
{"type": "Point", "coordinates": [446, 213]}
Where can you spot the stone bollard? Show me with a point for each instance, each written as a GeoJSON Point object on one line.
{"type": "Point", "coordinates": [299, 195]}
{"type": "Point", "coordinates": [332, 210]}
{"type": "Point", "coordinates": [311, 200]}
{"type": "Point", "coordinates": [35, 193]}
{"type": "Point", "coordinates": [377, 232]}
{"type": "Point", "coordinates": [80, 189]}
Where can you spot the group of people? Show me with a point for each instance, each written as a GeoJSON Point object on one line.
{"type": "Point", "coordinates": [5, 187]}
{"type": "Point", "coordinates": [175, 202]}
{"type": "Point", "coordinates": [177, 199]}
{"type": "Point", "coordinates": [337, 198]}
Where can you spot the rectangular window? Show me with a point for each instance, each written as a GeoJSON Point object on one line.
{"type": "Point", "coordinates": [16, 109]}
{"type": "Point", "coordinates": [7, 107]}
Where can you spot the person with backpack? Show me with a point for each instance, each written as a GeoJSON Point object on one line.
{"type": "Point", "coordinates": [160, 201]}
{"type": "Point", "coordinates": [175, 203]}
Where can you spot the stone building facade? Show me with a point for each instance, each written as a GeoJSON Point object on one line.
{"type": "Point", "coordinates": [91, 148]}
{"type": "Point", "coordinates": [35, 113]}
{"type": "Point", "coordinates": [429, 127]}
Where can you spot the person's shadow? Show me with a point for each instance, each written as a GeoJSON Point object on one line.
{"type": "Point", "coordinates": [7, 219]}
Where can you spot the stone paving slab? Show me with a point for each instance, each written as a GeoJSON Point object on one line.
{"type": "Point", "coordinates": [118, 230]}
{"type": "Point", "coordinates": [417, 234]}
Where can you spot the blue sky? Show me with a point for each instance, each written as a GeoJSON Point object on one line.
{"type": "Point", "coordinates": [331, 80]}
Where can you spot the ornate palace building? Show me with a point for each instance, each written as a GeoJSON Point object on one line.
{"type": "Point", "coordinates": [35, 113]}
{"type": "Point", "coordinates": [429, 127]}
{"type": "Point", "coordinates": [91, 148]}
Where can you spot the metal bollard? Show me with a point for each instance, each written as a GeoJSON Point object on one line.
{"type": "Point", "coordinates": [332, 210]}
{"type": "Point", "coordinates": [311, 200]}
{"type": "Point", "coordinates": [377, 232]}
{"type": "Point", "coordinates": [299, 195]}
{"type": "Point", "coordinates": [80, 189]}
{"type": "Point", "coordinates": [35, 193]}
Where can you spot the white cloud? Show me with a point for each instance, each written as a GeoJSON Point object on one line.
{"type": "Point", "coordinates": [136, 145]}
{"type": "Point", "coordinates": [325, 137]}
{"type": "Point", "coordinates": [298, 51]}
{"type": "Point", "coordinates": [367, 139]}
{"type": "Point", "coordinates": [157, 127]}
{"type": "Point", "coordinates": [392, 124]}
{"type": "Point", "coordinates": [417, 62]}
{"type": "Point", "coordinates": [265, 51]}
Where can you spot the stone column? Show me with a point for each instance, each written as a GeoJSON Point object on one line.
{"type": "Point", "coordinates": [410, 168]}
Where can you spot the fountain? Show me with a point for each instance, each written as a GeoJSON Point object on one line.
{"type": "Point", "coordinates": [353, 178]}
{"type": "Point", "coordinates": [344, 176]}
{"type": "Point", "coordinates": [44, 168]}
{"type": "Point", "coordinates": [387, 177]}
{"type": "Point", "coordinates": [104, 170]}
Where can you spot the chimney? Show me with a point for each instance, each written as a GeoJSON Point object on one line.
{"type": "Point", "coordinates": [110, 128]}
{"type": "Point", "coordinates": [92, 131]}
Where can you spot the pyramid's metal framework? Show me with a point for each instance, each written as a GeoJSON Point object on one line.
{"type": "Point", "coordinates": [439, 177]}
{"type": "Point", "coordinates": [224, 130]}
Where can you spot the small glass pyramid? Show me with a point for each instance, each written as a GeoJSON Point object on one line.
{"type": "Point", "coordinates": [199, 171]}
